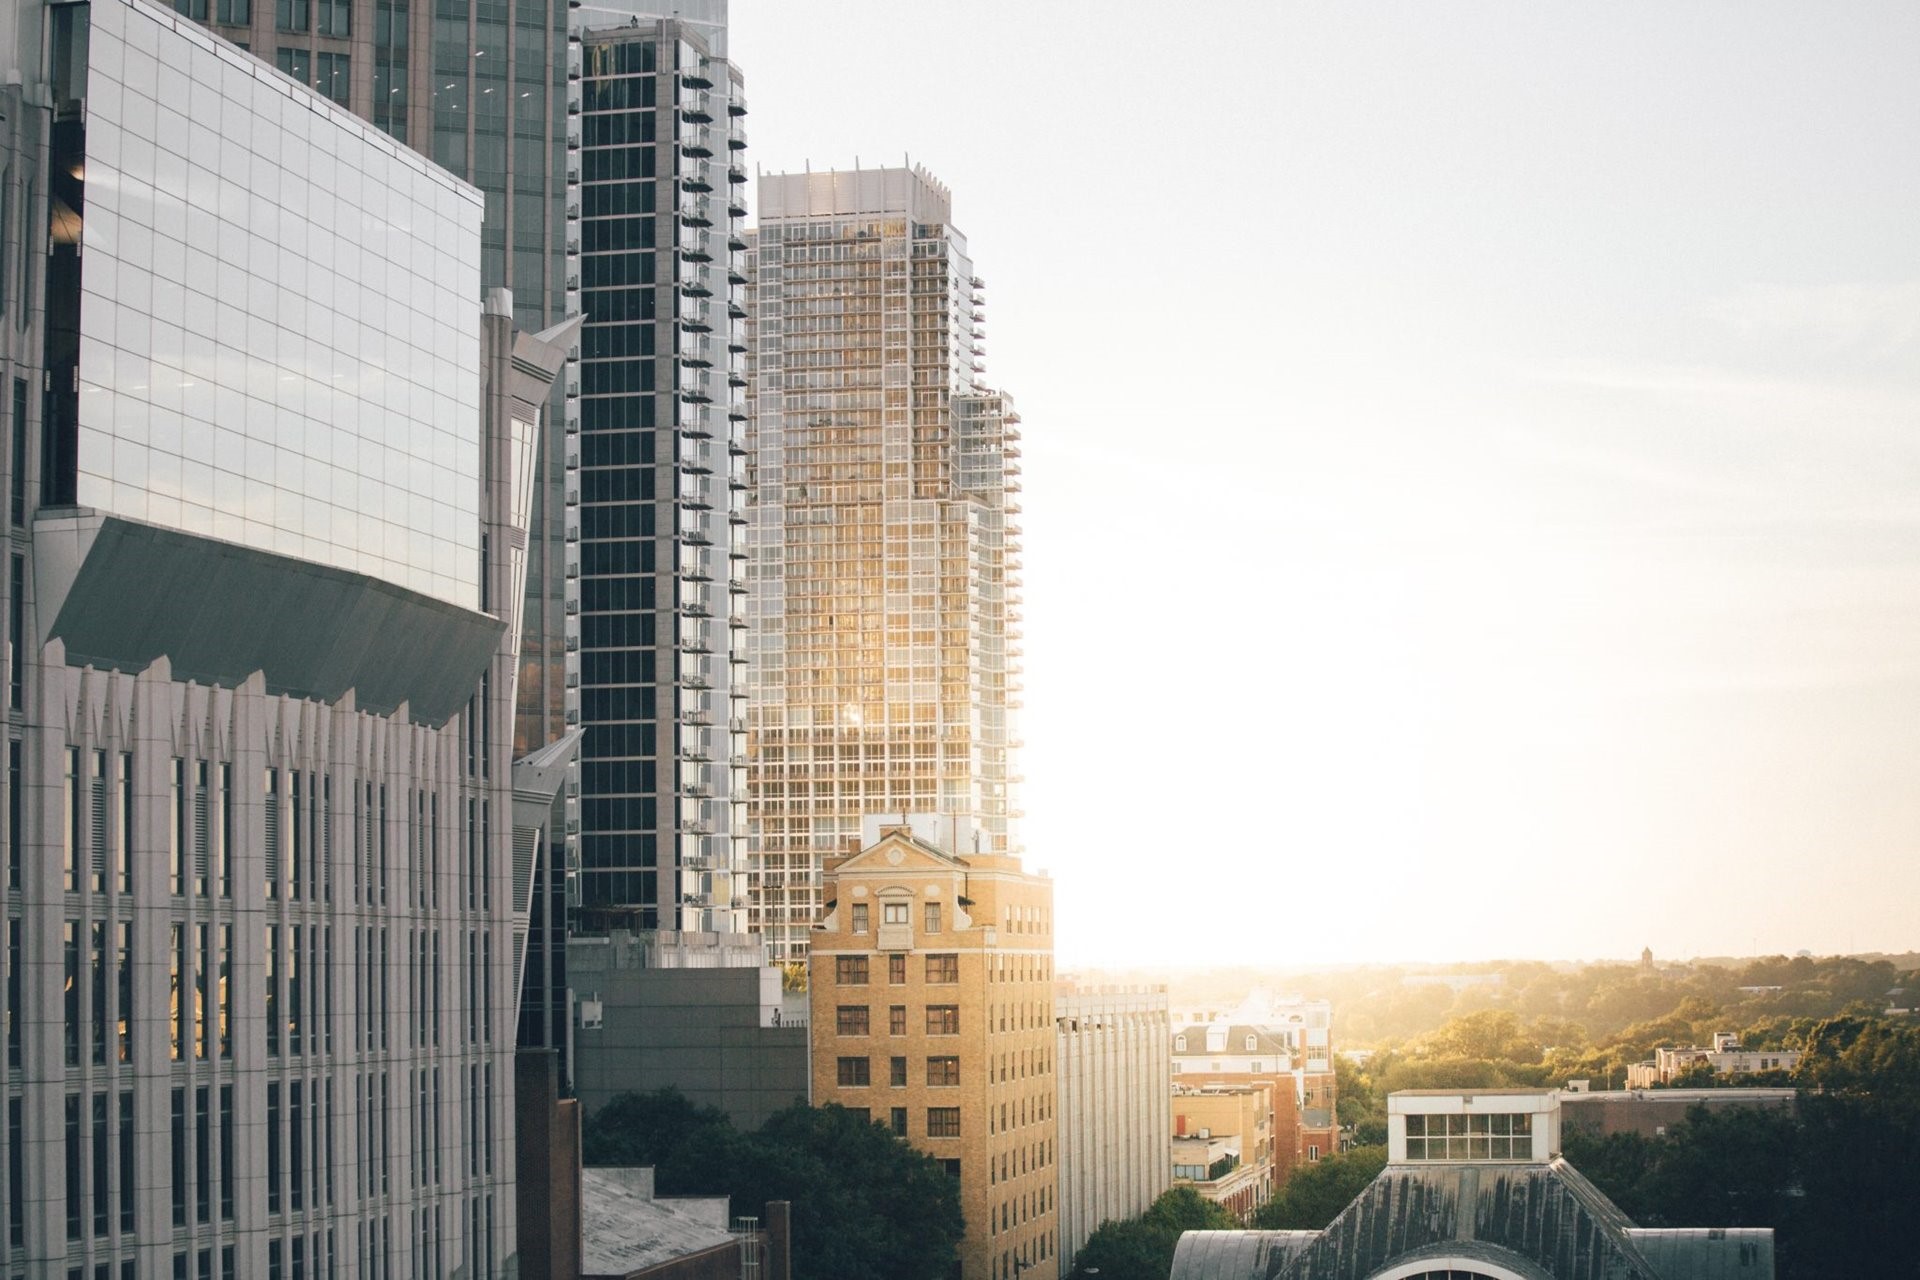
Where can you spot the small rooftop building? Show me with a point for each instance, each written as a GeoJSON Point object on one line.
{"type": "Point", "coordinates": [1475, 1188]}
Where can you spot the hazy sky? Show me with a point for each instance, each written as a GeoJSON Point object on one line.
{"type": "Point", "coordinates": [1473, 464]}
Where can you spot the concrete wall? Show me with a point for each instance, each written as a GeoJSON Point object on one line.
{"type": "Point", "coordinates": [1114, 1107]}
{"type": "Point", "coordinates": [713, 1034]}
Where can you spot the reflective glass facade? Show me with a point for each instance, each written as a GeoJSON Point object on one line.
{"type": "Point", "coordinates": [278, 330]}
{"type": "Point", "coordinates": [884, 540]}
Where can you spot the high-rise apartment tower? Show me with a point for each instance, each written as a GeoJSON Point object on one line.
{"type": "Point", "coordinates": [883, 587]}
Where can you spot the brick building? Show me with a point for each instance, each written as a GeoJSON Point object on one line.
{"type": "Point", "coordinates": [931, 979]}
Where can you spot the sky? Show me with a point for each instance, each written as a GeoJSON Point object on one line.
{"type": "Point", "coordinates": [1472, 456]}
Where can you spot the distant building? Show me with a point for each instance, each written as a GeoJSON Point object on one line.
{"type": "Point", "coordinates": [1651, 1112]}
{"type": "Point", "coordinates": [931, 978]}
{"type": "Point", "coordinates": [628, 1232]}
{"type": "Point", "coordinates": [1287, 1043]}
{"type": "Point", "coordinates": [1223, 1139]}
{"type": "Point", "coordinates": [1724, 1058]}
{"type": "Point", "coordinates": [1475, 1189]}
{"type": "Point", "coordinates": [1115, 1126]}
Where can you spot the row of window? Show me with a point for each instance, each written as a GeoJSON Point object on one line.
{"type": "Point", "coordinates": [855, 1020]}
{"type": "Point", "coordinates": [857, 1072]}
{"type": "Point", "coordinates": [853, 971]}
{"type": "Point", "coordinates": [899, 913]}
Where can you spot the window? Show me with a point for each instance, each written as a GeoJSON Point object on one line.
{"type": "Point", "coordinates": [899, 1122]}
{"type": "Point", "coordinates": [1179, 1044]}
{"type": "Point", "coordinates": [1313, 1152]}
{"type": "Point", "coordinates": [859, 917]}
{"type": "Point", "coordinates": [893, 913]}
{"type": "Point", "coordinates": [1470, 1137]}
{"type": "Point", "coordinates": [896, 969]}
{"type": "Point", "coordinates": [943, 968]}
{"type": "Point", "coordinates": [943, 1122]}
{"type": "Point", "coordinates": [297, 63]}
{"type": "Point", "coordinates": [234, 13]}
{"type": "Point", "coordinates": [335, 75]}
{"type": "Point", "coordinates": [943, 1019]}
{"type": "Point", "coordinates": [897, 1075]}
{"type": "Point", "coordinates": [1253, 1042]}
{"type": "Point", "coordinates": [850, 971]}
{"type": "Point", "coordinates": [896, 1019]}
{"type": "Point", "coordinates": [851, 1020]}
{"type": "Point", "coordinates": [291, 15]}
{"type": "Point", "coordinates": [943, 1071]}
{"type": "Point", "coordinates": [855, 1073]}
{"type": "Point", "coordinates": [933, 917]}
{"type": "Point", "coordinates": [334, 18]}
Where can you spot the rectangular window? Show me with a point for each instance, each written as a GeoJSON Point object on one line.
{"type": "Point", "coordinates": [234, 13]}
{"type": "Point", "coordinates": [897, 1072]}
{"type": "Point", "coordinates": [893, 913]}
{"type": "Point", "coordinates": [98, 828]}
{"type": "Point", "coordinates": [943, 968]}
{"type": "Point", "coordinates": [896, 970]}
{"type": "Point", "coordinates": [181, 980]}
{"type": "Point", "coordinates": [296, 1148]}
{"type": "Point", "coordinates": [273, 1146]}
{"type": "Point", "coordinates": [18, 496]}
{"type": "Point", "coordinates": [71, 953]}
{"type": "Point", "coordinates": [203, 962]}
{"type": "Point", "coordinates": [943, 1071]}
{"type": "Point", "coordinates": [1456, 1138]}
{"type": "Point", "coordinates": [896, 1019]}
{"type": "Point", "coordinates": [850, 971]}
{"type": "Point", "coordinates": [70, 834]}
{"type": "Point", "coordinates": [228, 1174]}
{"type": "Point", "coordinates": [16, 1013]}
{"type": "Point", "coordinates": [179, 1162]}
{"type": "Point", "coordinates": [273, 990]}
{"type": "Point", "coordinates": [335, 17]}
{"type": "Point", "coordinates": [225, 829]}
{"type": "Point", "coordinates": [123, 990]}
{"type": "Point", "coordinates": [16, 813]}
{"type": "Point", "coordinates": [202, 1157]}
{"type": "Point", "coordinates": [859, 917]}
{"type": "Point", "coordinates": [176, 827]}
{"type": "Point", "coordinates": [851, 1020]}
{"type": "Point", "coordinates": [126, 1162]}
{"type": "Point", "coordinates": [74, 1203]}
{"type": "Point", "coordinates": [943, 1122]}
{"type": "Point", "coordinates": [291, 15]}
{"type": "Point", "coordinates": [97, 990]}
{"type": "Point", "coordinates": [16, 1177]}
{"type": "Point", "coordinates": [943, 1019]}
{"type": "Point", "coordinates": [123, 865]}
{"type": "Point", "coordinates": [102, 1168]}
{"type": "Point", "coordinates": [202, 831]}
{"type": "Point", "coordinates": [933, 917]}
{"type": "Point", "coordinates": [223, 978]}
{"type": "Point", "coordinates": [17, 634]}
{"type": "Point", "coordinates": [898, 1122]}
{"type": "Point", "coordinates": [855, 1073]}
{"type": "Point", "coordinates": [335, 77]}
{"type": "Point", "coordinates": [195, 9]}
{"type": "Point", "coordinates": [270, 785]}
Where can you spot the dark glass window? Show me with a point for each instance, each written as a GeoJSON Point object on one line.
{"type": "Point", "coordinates": [297, 63]}
{"type": "Point", "coordinates": [234, 13]}
{"type": "Point", "coordinates": [291, 15]}
{"type": "Point", "coordinates": [335, 75]}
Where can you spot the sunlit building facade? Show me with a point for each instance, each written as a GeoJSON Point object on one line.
{"type": "Point", "coordinates": [269, 475]}
{"type": "Point", "coordinates": [884, 574]}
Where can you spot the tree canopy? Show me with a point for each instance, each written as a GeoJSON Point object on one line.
{"type": "Point", "coordinates": [866, 1206]}
{"type": "Point", "coordinates": [1142, 1248]}
{"type": "Point", "coordinates": [1314, 1194]}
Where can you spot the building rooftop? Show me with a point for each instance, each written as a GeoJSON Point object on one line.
{"type": "Point", "coordinates": [624, 1228]}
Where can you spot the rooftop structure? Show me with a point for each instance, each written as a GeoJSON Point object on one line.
{"type": "Point", "coordinates": [1475, 1187]}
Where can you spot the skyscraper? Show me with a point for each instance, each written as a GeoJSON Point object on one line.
{"type": "Point", "coordinates": [269, 470]}
{"type": "Point", "coordinates": [883, 588]}
{"type": "Point", "coordinates": [655, 500]}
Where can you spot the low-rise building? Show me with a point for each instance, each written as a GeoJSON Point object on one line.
{"type": "Point", "coordinates": [1475, 1187]}
{"type": "Point", "coordinates": [1724, 1058]}
{"type": "Point", "coordinates": [1286, 1043]}
{"type": "Point", "coordinates": [1652, 1112]}
{"type": "Point", "coordinates": [1116, 1124]}
{"type": "Point", "coordinates": [1223, 1144]}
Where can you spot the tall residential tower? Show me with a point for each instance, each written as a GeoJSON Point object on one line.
{"type": "Point", "coordinates": [883, 589]}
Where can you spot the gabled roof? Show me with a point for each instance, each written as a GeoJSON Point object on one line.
{"type": "Point", "coordinates": [1540, 1222]}
{"type": "Point", "coordinates": [874, 856]}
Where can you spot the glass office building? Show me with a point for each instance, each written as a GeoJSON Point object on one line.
{"type": "Point", "coordinates": [884, 581]}
{"type": "Point", "coordinates": [656, 504]}
{"type": "Point", "coordinates": [269, 471]}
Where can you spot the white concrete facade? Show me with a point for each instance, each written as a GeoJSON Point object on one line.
{"type": "Point", "coordinates": [1115, 1107]}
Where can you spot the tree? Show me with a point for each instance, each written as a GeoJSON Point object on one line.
{"type": "Point", "coordinates": [866, 1206]}
{"type": "Point", "coordinates": [1314, 1194]}
{"type": "Point", "coordinates": [1142, 1248]}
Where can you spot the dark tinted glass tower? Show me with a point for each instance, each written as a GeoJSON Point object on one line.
{"type": "Point", "coordinates": [656, 519]}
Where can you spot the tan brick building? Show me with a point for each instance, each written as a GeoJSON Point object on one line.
{"type": "Point", "coordinates": [932, 1011]}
